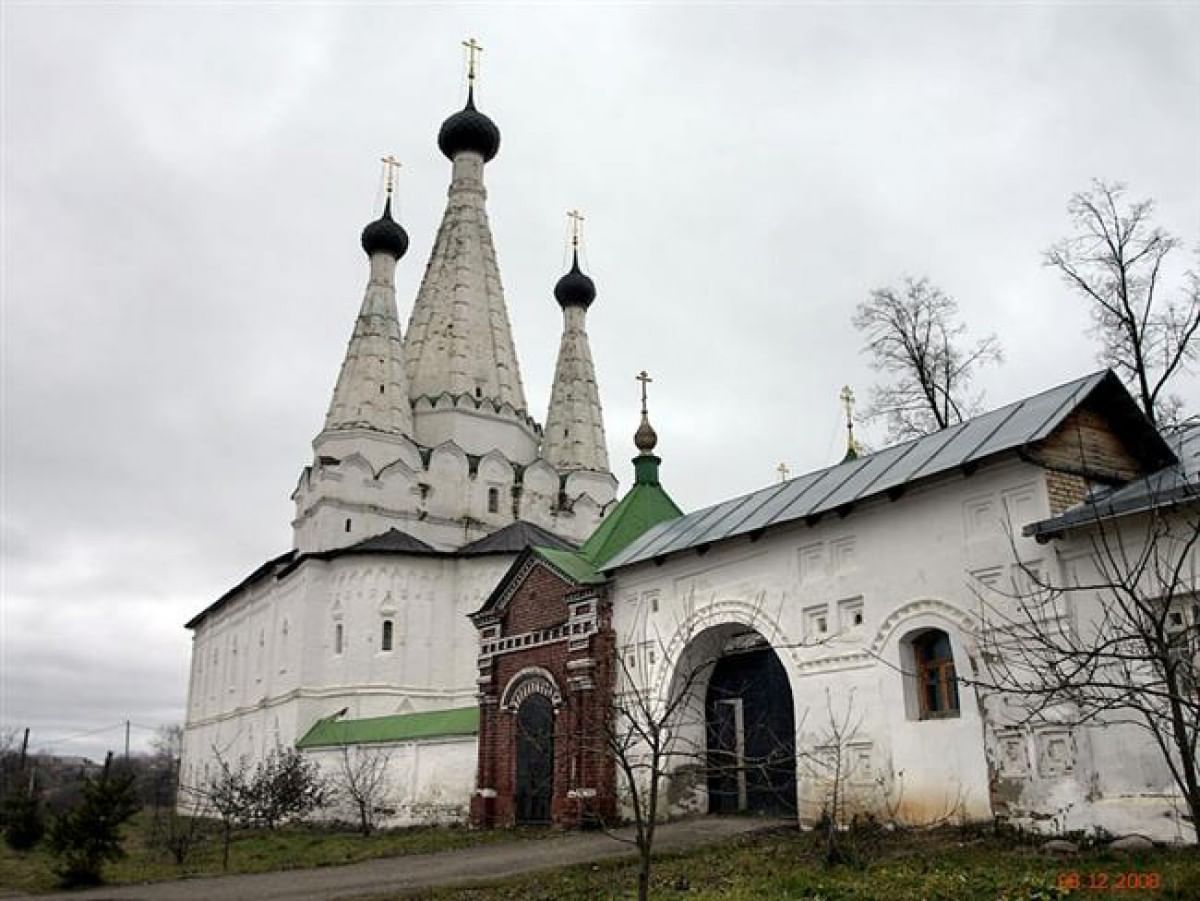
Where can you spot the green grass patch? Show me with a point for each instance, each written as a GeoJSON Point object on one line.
{"type": "Point", "coordinates": [931, 866]}
{"type": "Point", "coordinates": [251, 851]}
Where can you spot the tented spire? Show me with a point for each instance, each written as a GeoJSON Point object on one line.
{"type": "Point", "coordinates": [459, 340]}
{"type": "Point", "coordinates": [372, 387]}
{"type": "Point", "coordinates": [574, 435]}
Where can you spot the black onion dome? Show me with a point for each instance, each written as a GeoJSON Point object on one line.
{"type": "Point", "coordinates": [575, 288]}
{"type": "Point", "coordinates": [385, 235]}
{"type": "Point", "coordinates": [469, 129]}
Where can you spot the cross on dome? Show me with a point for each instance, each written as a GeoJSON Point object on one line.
{"type": "Point", "coordinates": [847, 398]}
{"type": "Point", "coordinates": [645, 379]}
{"type": "Point", "coordinates": [390, 167]}
{"type": "Point", "coordinates": [576, 218]}
{"type": "Point", "coordinates": [474, 48]}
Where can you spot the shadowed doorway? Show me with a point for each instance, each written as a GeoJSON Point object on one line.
{"type": "Point", "coordinates": [535, 759]}
{"type": "Point", "coordinates": [751, 741]}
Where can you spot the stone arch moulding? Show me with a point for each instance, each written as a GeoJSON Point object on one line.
{"type": "Point", "coordinates": [924, 608]}
{"type": "Point", "coordinates": [751, 614]}
{"type": "Point", "coordinates": [530, 680]}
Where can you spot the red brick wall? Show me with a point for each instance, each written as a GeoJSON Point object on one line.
{"type": "Point", "coordinates": [1084, 447]}
{"type": "Point", "coordinates": [580, 758]}
{"type": "Point", "coordinates": [538, 603]}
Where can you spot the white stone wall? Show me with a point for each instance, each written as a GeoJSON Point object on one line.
{"type": "Point", "coordinates": [905, 566]}
{"type": "Point", "coordinates": [1110, 775]}
{"type": "Point", "coordinates": [360, 486]}
{"type": "Point", "coordinates": [428, 782]}
{"type": "Point", "coordinates": [265, 668]}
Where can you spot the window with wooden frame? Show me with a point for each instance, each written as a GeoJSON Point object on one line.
{"type": "Point", "coordinates": [937, 684]}
{"type": "Point", "coordinates": [493, 500]}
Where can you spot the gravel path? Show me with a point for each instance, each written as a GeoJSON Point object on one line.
{"type": "Point", "coordinates": [394, 874]}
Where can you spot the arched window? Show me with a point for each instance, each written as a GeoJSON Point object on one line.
{"type": "Point", "coordinates": [936, 682]}
{"type": "Point", "coordinates": [493, 500]}
{"type": "Point", "coordinates": [385, 642]}
{"type": "Point", "coordinates": [337, 638]}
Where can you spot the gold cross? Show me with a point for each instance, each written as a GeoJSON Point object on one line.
{"type": "Point", "coordinates": [645, 380]}
{"type": "Point", "coordinates": [847, 399]}
{"type": "Point", "coordinates": [473, 51]}
{"type": "Point", "coordinates": [783, 472]}
{"type": "Point", "coordinates": [576, 217]}
{"type": "Point", "coordinates": [390, 165]}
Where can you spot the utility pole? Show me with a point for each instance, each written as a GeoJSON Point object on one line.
{"type": "Point", "coordinates": [127, 740]}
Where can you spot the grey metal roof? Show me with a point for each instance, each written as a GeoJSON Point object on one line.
{"type": "Point", "coordinates": [514, 538]}
{"type": "Point", "coordinates": [893, 468]}
{"type": "Point", "coordinates": [1171, 486]}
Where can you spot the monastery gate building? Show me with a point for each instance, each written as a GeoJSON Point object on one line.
{"type": "Point", "coordinates": [467, 594]}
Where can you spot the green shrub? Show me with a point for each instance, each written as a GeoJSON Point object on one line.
{"type": "Point", "coordinates": [88, 835]}
{"type": "Point", "coordinates": [24, 821]}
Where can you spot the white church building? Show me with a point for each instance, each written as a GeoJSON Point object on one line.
{"type": "Point", "coordinates": [852, 592]}
{"type": "Point", "coordinates": [429, 476]}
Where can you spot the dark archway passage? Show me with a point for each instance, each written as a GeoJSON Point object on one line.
{"type": "Point", "coordinates": [750, 735]}
{"type": "Point", "coordinates": [535, 759]}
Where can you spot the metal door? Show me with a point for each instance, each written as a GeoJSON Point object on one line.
{"type": "Point", "coordinates": [535, 759]}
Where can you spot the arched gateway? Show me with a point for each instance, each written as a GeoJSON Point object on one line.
{"type": "Point", "coordinates": [750, 735]}
{"type": "Point", "coordinates": [738, 718]}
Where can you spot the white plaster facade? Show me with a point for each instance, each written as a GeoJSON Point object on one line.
{"type": "Point", "coordinates": [840, 599]}
{"type": "Point", "coordinates": [268, 665]}
{"type": "Point", "coordinates": [428, 782]}
{"type": "Point", "coordinates": [428, 434]}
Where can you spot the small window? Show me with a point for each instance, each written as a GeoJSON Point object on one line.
{"type": "Point", "coordinates": [381, 389]}
{"type": "Point", "coordinates": [337, 638]}
{"type": "Point", "coordinates": [385, 643]}
{"type": "Point", "coordinates": [937, 683]}
{"type": "Point", "coordinates": [478, 392]}
{"type": "Point", "coordinates": [347, 525]}
{"type": "Point", "coordinates": [493, 500]}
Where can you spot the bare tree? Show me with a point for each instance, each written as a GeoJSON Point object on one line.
{"type": "Point", "coordinates": [361, 782]}
{"type": "Point", "coordinates": [180, 833]}
{"type": "Point", "coordinates": [227, 793]}
{"type": "Point", "coordinates": [914, 336]}
{"type": "Point", "coordinates": [1113, 641]}
{"type": "Point", "coordinates": [830, 770]}
{"type": "Point", "coordinates": [1115, 261]}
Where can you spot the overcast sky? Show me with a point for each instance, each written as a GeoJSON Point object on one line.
{"type": "Point", "coordinates": [184, 186]}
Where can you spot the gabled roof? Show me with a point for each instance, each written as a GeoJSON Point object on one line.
{"type": "Point", "coordinates": [332, 731]}
{"type": "Point", "coordinates": [1169, 487]}
{"type": "Point", "coordinates": [644, 506]}
{"type": "Point", "coordinates": [271, 568]}
{"type": "Point", "coordinates": [571, 564]}
{"type": "Point", "coordinates": [391, 541]}
{"type": "Point", "coordinates": [892, 469]}
{"type": "Point", "coordinates": [513, 539]}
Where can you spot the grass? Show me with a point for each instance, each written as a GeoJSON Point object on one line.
{"type": "Point", "coordinates": [937, 866]}
{"type": "Point", "coordinates": [251, 851]}
{"type": "Point", "coordinates": [945, 865]}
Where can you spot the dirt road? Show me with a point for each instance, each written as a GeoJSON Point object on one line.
{"type": "Point", "coordinates": [394, 874]}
